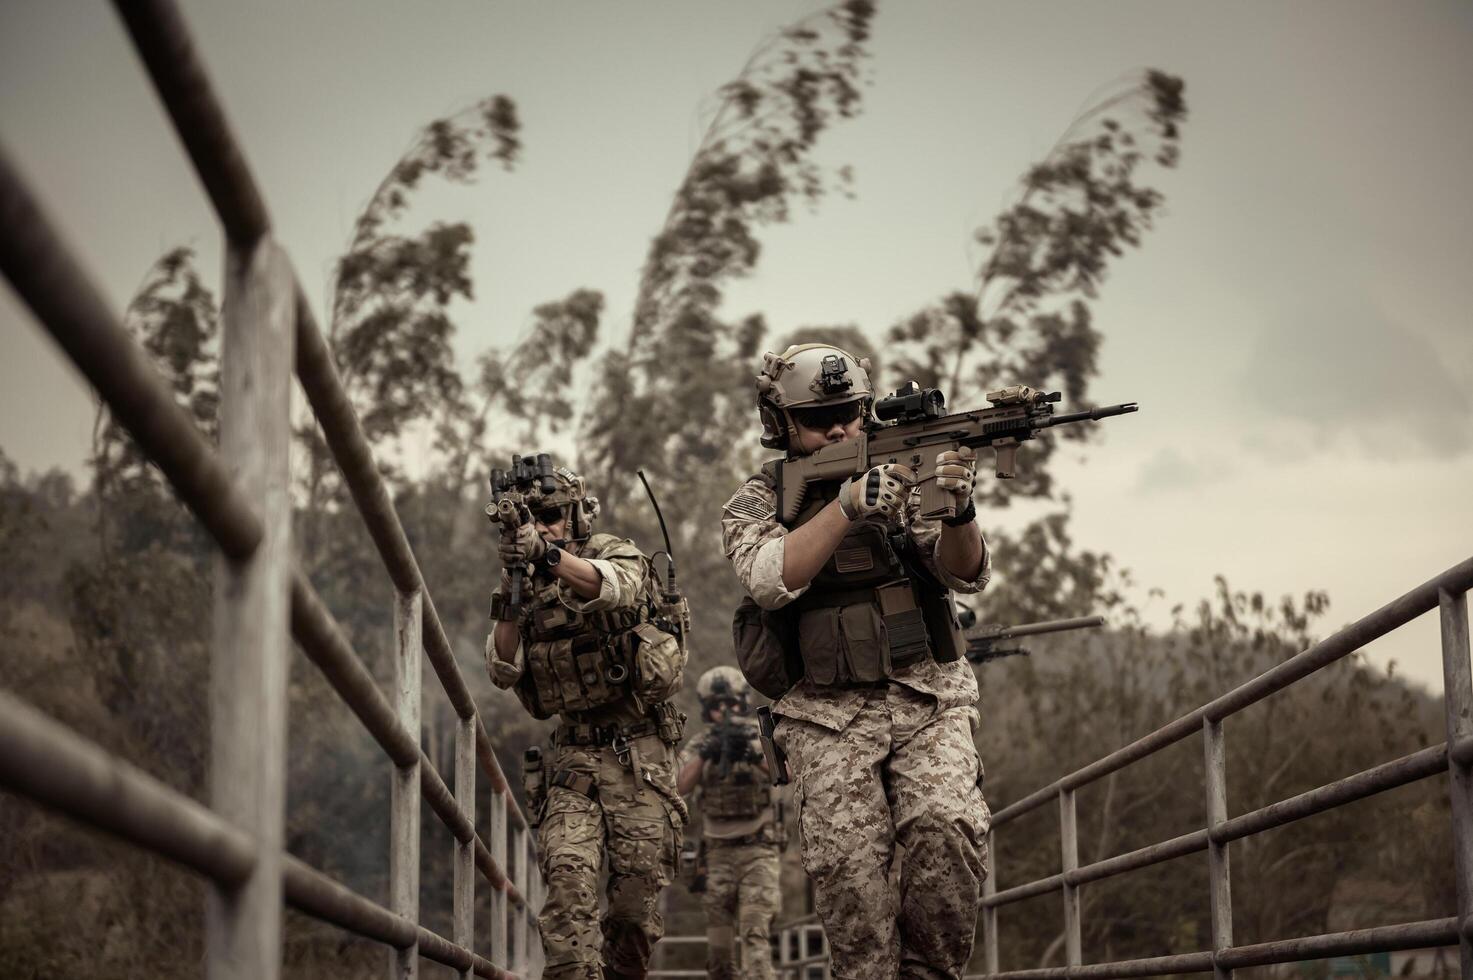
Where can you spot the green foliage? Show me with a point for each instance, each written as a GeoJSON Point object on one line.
{"type": "Point", "coordinates": [1081, 695]}
{"type": "Point", "coordinates": [101, 609]}
{"type": "Point", "coordinates": [687, 370]}
{"type": "Point", "coordinates": [1028, 320]}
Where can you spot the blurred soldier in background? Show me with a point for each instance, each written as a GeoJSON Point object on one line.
{"type": "Point", "coordinates": [580, 644]}
{"type": "Point", "coordinates": [877, 706]}
{"type": "Point", "coordinates": [743, 832]}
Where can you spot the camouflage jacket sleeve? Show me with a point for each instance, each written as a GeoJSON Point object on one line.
{"type": "Point", "coordinates": [927, 536]}
{"type": "Point", "coordinates": [624, 571]}
{"type": "Point", "coordinates": [754, 541]}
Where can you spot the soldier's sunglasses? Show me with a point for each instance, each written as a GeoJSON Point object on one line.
{"type": "Point", "coordinates": [821, 418]}
{"type": "Point", "coordinates": [548, 516]}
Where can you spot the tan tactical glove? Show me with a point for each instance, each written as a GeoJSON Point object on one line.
{"type": "Point", "coordinates": [878, 495]}
{"type": "Point", "coordinates": [956, 473]}
{"type": "Point", "coordinates": [523, 547]}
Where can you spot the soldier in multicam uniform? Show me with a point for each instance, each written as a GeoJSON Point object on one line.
{"type": "Point", "coordinates": [583, 648]}
{"type": "Point", "coordinates": [879, 732]}
{"type": "Point", "coordinates": [742, 834]}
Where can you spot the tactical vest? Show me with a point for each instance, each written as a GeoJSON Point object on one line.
{"type": "Point", "coordinates": [872, 609]}
{"type": "Point", "coordinates": [743, 794]}
{"type": "Point", "coordinates": [577, 661]}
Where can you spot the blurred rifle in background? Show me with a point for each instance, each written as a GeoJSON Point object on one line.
{"type": "Point", "coordinates": [983, 645]}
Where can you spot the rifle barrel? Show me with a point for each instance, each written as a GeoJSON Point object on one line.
{"type": "Point", "coordinates": [1095, 414]}
{"type": "Point", "coordinates": [1051, 626]}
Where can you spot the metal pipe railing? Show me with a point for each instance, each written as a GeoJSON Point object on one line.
{"type": "Point", "coordinates": [163, 43]}
{"type": "Point", "coordinates": [263, 294]}
{"type": "Point", "coordinates": [1393, 615]}
{"type": "Point", "coordinates": [1447, 591]}
{"type": "Point", "coordinates": [53, 765]}
{"type": "Point", "coordinates": [53, 284]}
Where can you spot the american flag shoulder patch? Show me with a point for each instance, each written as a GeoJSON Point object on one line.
{"type": "Point", "coordinates": [752, 503]}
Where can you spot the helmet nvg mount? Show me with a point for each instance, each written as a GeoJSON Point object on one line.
{"type": "Point", "coordinates": [809, 376]}
{"type": "Point", "coordinates": [544, 485]}
{"type": "Point", "coordinates": [723, 683]}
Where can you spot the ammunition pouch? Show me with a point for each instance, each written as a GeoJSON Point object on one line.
{"type": "Point", "coordinates": [766, 648]}
{"type": "Point", "coordinates": [576, 661]}
{"type": "Point", "coordinates": [872, 609]}
{"type": "Point", "coordinates": [578, 782]}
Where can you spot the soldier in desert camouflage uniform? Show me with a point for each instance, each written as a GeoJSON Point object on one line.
{"type": "Point", "coordinates": [583, 648]}
{"type": "Point", "coordinates": [879, 732]}
{"type": "Point", "coordinates": [742, 834]}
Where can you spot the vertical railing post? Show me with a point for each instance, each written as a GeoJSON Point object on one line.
{"type": "Point", "coordinates": [464, 901]}
{"type": "Point", "coordinates": [1069, 856]}
{"type": "Point", "coordinates": [404, 798]}
{"type": "Point", "coordinates": [1219, 877]}
{"type": "Point", "coordinates": [1458, 698]}
{"type": "Point", "coordinates": [252, 640]}
{"type": "Point", "coordinates": [499, 903]}
{"type": "Point", "coordinates": [519, 928]}
{"type": "Point", "coordinates": [989, 912]}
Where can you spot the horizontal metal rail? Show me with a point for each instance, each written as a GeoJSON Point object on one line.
{"type": "Point", "coordinates": [1409, 935]}
{"type": "Point", "coordinates": [192, 462]}
{"type": "Point", "coordinates": [53, 765]}
{"type": "Point", "coordinates": [349, 446]}
{"type": "Point", "coordinates": [164, 45]}
{"type": "Point", "coordinates": [1152, 966]}
{"type": "Point", "coordinates": [310, 891]}
{"type": "Point", "coordinates": [72, 309]}
{"type": "Point", "coordinates": [63, 297]}
{"type": "Point", "coordinates": [1378, 779]}
{"type": "Point", "coordinates": [1447, 591]}
{"type": "Point", "coordinates": [1394, 614]}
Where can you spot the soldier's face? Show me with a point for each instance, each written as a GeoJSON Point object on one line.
{"type": "Point", "coordinates": [554, 531]}
{"type": "Point", "coordinates": [812, 440]}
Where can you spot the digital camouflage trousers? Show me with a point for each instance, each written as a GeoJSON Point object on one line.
{"type": "Point", "coordinates": [894, 835]}
{"type": "Point", "coordinates": [638, 830]}
{"type": "Point", "coordinates": [743, 896]}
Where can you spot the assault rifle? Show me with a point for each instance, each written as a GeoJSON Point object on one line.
{"type": "Point", "coordinates": [917, 431]}
{"type": "Point", "coordinates": [528, 476]}
{"type": "Point", "coordinates": [983, 647]}
{"type": "Point", "coordinates": [735, 740]}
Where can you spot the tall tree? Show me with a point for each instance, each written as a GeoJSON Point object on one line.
{"type": "Point", "coordinates": [1027, 319]}
{"type": "Point", "coordinates": [685, 374]}
{"type": "Point", "coordinates": [390, 326]}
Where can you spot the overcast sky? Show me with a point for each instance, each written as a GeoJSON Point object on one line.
{"type": "Point", "coordinates": [1296, 329]}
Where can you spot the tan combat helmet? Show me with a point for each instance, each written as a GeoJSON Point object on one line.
{"type": "Point", "coordinates": [808, 376]}
{"type": "Point", "coordinates": [571, 497]}
{"type": "Point", "coordinates": [723, 684]}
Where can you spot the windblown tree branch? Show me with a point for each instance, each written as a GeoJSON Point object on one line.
{"type": "Point", "coordinates": [1027, 318]}
{"type": "Point", "coordinates": [676, 401]}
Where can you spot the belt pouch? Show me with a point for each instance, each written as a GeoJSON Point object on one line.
{"type": "Point", "coordinates": [866, 653]}
{"type": "Point", "coordinates": [905, 625]}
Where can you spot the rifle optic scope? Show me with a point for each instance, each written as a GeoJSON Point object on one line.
{"type": "Point", "coordinates": [911, 402]}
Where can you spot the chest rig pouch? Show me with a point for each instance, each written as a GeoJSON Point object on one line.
{"type": "Point", "coordinates": [860, 620]}
{"type": "Point", "coordinates": [576, 661]}
{"type": "Point", "coordinates": [742, 794]}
